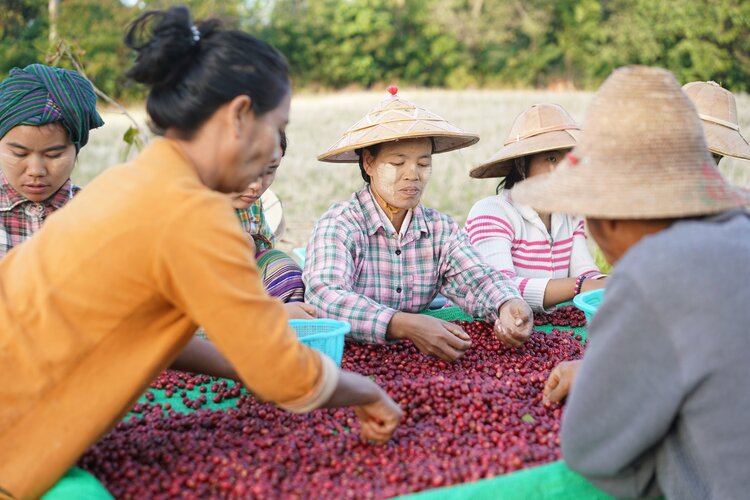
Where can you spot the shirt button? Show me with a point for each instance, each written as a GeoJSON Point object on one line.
{"type": "Point", "coordinates": [34, 210]}
{"type": "Point", "coordinates": [398, 252]}
{"type": "Point", "coordinates": [398, 290]}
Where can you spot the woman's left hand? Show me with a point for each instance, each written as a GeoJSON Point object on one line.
{"type": "Point", "coordinates": [514, 323]}
{"type": "Point", "coordinates": [300, 310]}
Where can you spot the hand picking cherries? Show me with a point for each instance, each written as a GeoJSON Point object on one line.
{"type": "Point", "coordinates": [477, 418]}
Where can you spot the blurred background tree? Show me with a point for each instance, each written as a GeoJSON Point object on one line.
{"type": "Point", "coordinates": [433, 43]}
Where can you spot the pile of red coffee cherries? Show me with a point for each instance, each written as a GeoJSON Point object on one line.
{"type": "Point", "coordinates": [569, 316]}
{"type": "Point", "coordinates": [476, 418]}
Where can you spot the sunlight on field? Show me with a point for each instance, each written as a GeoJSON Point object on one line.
{"type": "Point", "coordinates": [308, 187]}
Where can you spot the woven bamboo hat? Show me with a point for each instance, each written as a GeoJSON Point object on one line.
{"type": "Point", "coordinates": [642, 156]}
{"type": "Point", "coordinates": [542, 127]}
{"type": "Point", "coordinates": [718, 111]}
{"type": "Point", "coordinates": [393, 119]}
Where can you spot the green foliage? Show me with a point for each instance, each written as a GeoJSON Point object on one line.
{"type": "Point", "coordinates": [447, 43]}
{"type": "Point", "coordinates": [23, 33]}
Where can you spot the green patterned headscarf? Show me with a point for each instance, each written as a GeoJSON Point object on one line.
{"type": "Point", "coordinates": [39, 95]}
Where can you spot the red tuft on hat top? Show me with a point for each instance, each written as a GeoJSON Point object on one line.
{"type": "Point", "coordinates": [393, 90]}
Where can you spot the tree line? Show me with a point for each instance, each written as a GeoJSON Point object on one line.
{"type": "Point", "coordinates": [435, 43]}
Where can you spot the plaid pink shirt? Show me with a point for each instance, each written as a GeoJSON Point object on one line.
{"type": "Point", "coordinates": [357, 270]}
{"type": "Point", "coordinates": [20, 218]}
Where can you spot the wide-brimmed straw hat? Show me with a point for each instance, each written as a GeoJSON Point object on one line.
{"type": "Point", "coordinates": [395, 119]}
{"type": "Point", "coordinates": [642, 156]}
{"type": "Point", "coordinates": [542, 127]}
{"type": "Point", "coordinates": [718, 111]}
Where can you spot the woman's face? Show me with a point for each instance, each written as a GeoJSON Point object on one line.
{"type": "Point", "coordinates": [256, 188]}
{"type": "Point", "coordinates": [37, 160]}
{"type": "Point", "coordinates": [251, 147]}
{"type": "Point", "coordinates": [400, 171]}
{"type": "Point", "coordinates": [544, 163]}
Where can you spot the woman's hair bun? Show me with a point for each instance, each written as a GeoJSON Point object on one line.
{"type": "Point", "coordinates": [165, 41]}
{"type": "Point", "coordinates": [193, 70]}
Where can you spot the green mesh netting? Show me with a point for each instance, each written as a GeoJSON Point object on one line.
{"type": "Point", "coordinates": [553, 481]}
{"type": "Point", "coordinates": [77, 484]}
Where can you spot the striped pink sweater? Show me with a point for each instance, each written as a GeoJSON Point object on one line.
{"type": "Point", "coordinates": [513, 239]}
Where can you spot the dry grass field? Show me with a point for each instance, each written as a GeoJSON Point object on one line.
{"type": "Point", "coordinates": [307, 187]}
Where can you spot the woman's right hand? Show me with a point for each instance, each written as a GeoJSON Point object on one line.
{"type": "Point", "coordinates": [560, 381]}
{"type": "Point", "coordinates": [431, 336]}
{"type": "Point", "coordinates": [378, 419]}
{"type": "Point", "coordinates": [378, 414]}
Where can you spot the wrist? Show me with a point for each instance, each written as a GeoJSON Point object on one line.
{"type": "Point", "coordinates": [500, 308]}
{"type": "Point", "coordinates": [396, 330]}
{"type": "Point", "coordinates": [579, 284]}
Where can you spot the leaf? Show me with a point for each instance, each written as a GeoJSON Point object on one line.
{"type": "Point", "coordinates": [132, 138]}
{"type": "Point", "coordinates": [528, 418]}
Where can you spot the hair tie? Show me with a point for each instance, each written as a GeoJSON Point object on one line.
{"type": "Point", "coordinates": [196, 34]}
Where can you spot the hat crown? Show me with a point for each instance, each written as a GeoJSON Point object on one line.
{"type": "Point", "coordinates": [713, 101]}
{"type": "Point", "coordinates": [538, 119]}
{"type": "Point", "coordinates": [637, 109]}
{"type": "Point", "coordinates": [642, 156]}
{"type": "Point", "coordinates": [393, 119]}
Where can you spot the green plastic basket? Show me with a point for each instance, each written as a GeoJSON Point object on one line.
{"type": "Point", "coordinates": [324, 335]}
{"type": "Point", "coordinates": [589, 302]}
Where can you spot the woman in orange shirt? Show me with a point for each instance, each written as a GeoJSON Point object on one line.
{"type": "Point", "coordinates": [97, 303]}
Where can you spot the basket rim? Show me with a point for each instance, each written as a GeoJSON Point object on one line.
{"type": "Point", "coordinates": [342, 328]}
{"type": "Point", "coordinates": [580, 300]}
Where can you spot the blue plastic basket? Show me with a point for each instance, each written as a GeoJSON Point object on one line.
{"type": "Point", "coordinates": [589, 302]}
{"type": "Point", "coordinates": [324, 335]}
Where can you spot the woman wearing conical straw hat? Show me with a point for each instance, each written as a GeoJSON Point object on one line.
{"type": "Point", "coordinates": [381, 257]}
{"type": "Point", "coordinates": [658, 406]}
{"type": "Point", "coordinates": [717, 110]}
{"type": "Point", "coordinates": [545, 254]}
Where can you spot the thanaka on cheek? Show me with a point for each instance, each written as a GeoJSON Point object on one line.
{"type": "Point", "coordinates": [386, 180]}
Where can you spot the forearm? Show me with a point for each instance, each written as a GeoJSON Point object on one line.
{"type": "Point", "coordinates": [558, 291]}
{"type": "Point", "coordinates": [200, 356]}
{"type": "Point", "coordinates": [399, 326]}
{"type": "Point", "coordinates": [368, 319]}
{"type": "Point", "coordinates": [353, 390]}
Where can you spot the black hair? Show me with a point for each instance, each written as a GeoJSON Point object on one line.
{"type": "Point", "coordinates": [517, 174]}
{"type": "Point", "coordinates": [283, 143]}
{"type": "Point", "coordinates": [374, 150]}
{"type": "Point", "coordinates": [193, 69]}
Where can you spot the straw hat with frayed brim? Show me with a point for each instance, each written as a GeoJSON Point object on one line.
{"type": "Point", "coordinates": [642, 156]}
{"type": "Point", "coordinates": [397, 119]}
{"type": "Point", "coordinates": [542, 127]}
{"type": "Point", "coordinates": [717, 110]}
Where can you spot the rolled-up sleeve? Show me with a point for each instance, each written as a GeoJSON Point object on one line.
{"type": "Point", "coordinates": [470, 282]}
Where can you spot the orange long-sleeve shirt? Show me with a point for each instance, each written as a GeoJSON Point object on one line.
{"type": "Point", "coordinates": [103, 298]}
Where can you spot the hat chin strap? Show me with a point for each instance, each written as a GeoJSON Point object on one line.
{"type": "Point", "coordinates": [390, 210]}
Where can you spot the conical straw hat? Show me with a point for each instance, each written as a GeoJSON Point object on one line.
{"type": "Point", "coordinates": [393, 119]}
{"type": "Point", "coordinates": [542, 127]}
{"type": "Point", "coordinates": [642, 156]}
{"type": "Point", "coordinates": [718, 111]}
